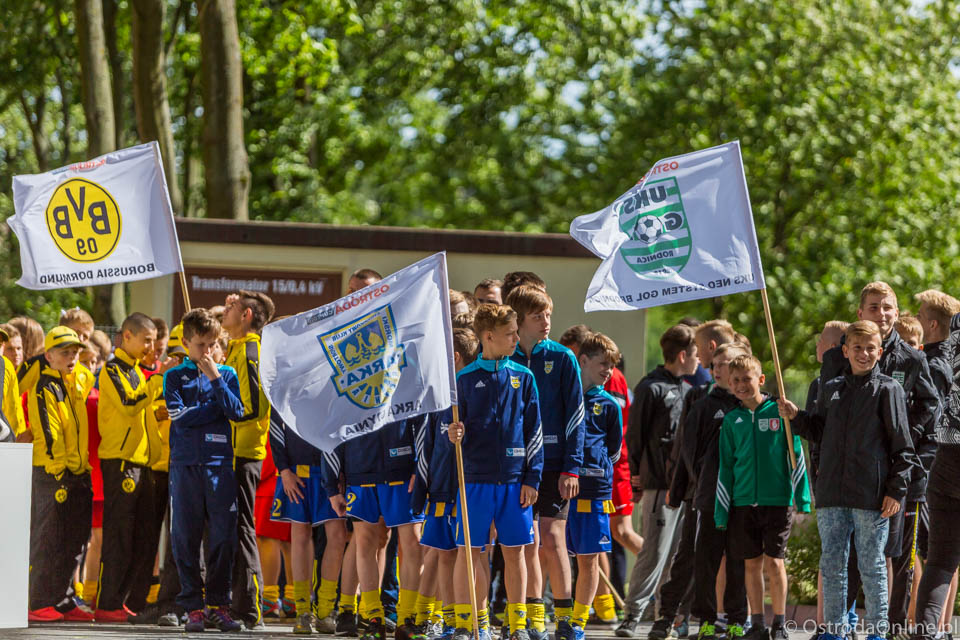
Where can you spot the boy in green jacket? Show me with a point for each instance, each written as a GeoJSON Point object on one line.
{"type": "Point", "coordinates": [755, 489]}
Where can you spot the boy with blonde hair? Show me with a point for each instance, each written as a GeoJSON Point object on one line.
{"type": "Point", "coordinates": [910, 330]}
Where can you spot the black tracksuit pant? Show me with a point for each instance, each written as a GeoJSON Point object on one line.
{"type": "Point", "coordinates": [709, 549]}
{"type": "Point", "coordinates": [128, 514]}
{"type": "Point", "coordinates": [247, 576]}
{"type": "Point", "coordinates": [60, 513]}
{"type": "Point", "coordinates": [678, 590]}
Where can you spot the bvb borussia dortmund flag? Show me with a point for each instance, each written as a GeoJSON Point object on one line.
{"type": "Point", "coordinates": [97, 222]}
{"type": "Point", "coordinates": [382, 354]}
{"type": "Point", "coordinates": [684, 232]}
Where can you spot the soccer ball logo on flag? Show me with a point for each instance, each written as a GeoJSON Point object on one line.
{"type": "Point", "coordinates": [652, 216]}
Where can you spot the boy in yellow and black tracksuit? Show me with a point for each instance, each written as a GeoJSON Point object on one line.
{"type": "Point", "coordinates": [61, 494]}
{"type": "Point", "coordinates": [125, 448]}
{"type": "Point", "coordinates": [12, 423]}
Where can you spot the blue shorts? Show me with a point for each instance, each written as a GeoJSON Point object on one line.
{"type": "Point", "coordinates": [389, 500]}
{"type": "Point", "coordinates": [313, 509]}
{"type": "Point", "coordinates": [496, 504]}
{"type": "Point", "coordinates": [440, 527]}
{"type": "Point", "coordinates": [588, 526]}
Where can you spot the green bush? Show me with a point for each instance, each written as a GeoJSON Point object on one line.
{"type": "Point", "coordinates": [803, 559]}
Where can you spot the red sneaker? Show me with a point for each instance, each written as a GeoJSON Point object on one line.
{"type": "Point", "coordinates": [77, 614]}
{"type": "Point", "coordinates": [116, 615]}
{"type": "Point", "coordinates": [46, 614]}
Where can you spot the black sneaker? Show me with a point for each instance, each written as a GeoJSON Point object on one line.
{"type": "Point", "coordinates": [150, 615]}
{"type": "Point", "coordinates": [661, 629]}
{"type": "Point", "coordinates": [409, 631]}
{"type": "Point", "coordinates": [346, 624]}
{"type": "Point", "coordinates": [757, 632]}
{"type": "Point", "coordinates": [779, 632]}
{"type": "Point", "coordinates": [220, 618]}
{"type": "Point", "coordinates": [373, 629]}
{"type": "Point", "coordinates": [628, 628]}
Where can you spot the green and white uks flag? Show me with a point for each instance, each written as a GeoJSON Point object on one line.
{"type": "Point", "coordinates": [683, 232]}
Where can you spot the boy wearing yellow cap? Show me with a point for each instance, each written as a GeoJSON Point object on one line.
{"type": "Point", "coordinates": [61, 494]}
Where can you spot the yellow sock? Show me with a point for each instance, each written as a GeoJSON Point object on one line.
{"type": "Point", "coordinates": [406, 605]}
{"type": "Point", "coordinates": [563, 608]}
{"type": "Point", "coordinates": [517, 614]}
{"type": "Point", "coordinates": [288, 591]}
{"type": "Point", "coordinates": [464, 616]}
{"type": "Point", "coordinates": [603, 605]}
{"type": "Point", "coordinates": [580, 614]}
{"type": "Point", "coordinates": [326, 597]}
{"type": "Point", "coordinates": [483, 618]}
{"type": "Point", "coordinates": [437, 615]}
{"type": "Point", "coordinates": [348, 603]}
{"type": "Point", "coordinates": [450, 614]}
{"type": "Point", "coordinates": [78, 588]}
{"type": "Point", "coordinates": [153, 593]}
{"type": "Point", "coordinates": [89, 592]}
{"type": "Point", "coordinates": [536, 614]}
{"type": "Point", "coordinates": [425, 606]}
{"type": "Point", "coordinates": [301, 596]}
{"type": "Point", "coordinates": [271, 592]}
{"type": "Point", "coordinates": [370, 606]}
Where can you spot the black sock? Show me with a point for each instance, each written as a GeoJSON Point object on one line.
{"type": "Point", "coordinates": [757, 620]}
{"type": "Point", "coordinates": [778, 620]}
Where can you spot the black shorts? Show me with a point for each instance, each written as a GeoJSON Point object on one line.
{"type": "Point", "coordinates": [755, 531]}
{"type": "Point", "coordinates": [894, 546]}
{"type": "Point", "coordinates": [549, 504]}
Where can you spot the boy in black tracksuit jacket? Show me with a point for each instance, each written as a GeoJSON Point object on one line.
{"type": "Point", "coordinates": [202, 397]}
{"type": "Point", "coordinates": [909, 367]}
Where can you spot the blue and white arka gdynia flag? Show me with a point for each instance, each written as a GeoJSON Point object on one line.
{"type": "Point", "coordinates": [683, 232]}
{"type": "Point", "coordinates": [382, 354]}
{"type": "Point", "coordinates": [97, 222]}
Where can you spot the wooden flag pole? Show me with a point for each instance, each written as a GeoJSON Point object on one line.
{"type": "Point", "coordinates": [616, 596]}
{"type": "Point", "coordinates": [779, 374]}
{"type": "Point", "coordinates": [471, 580]}
{"type": "Point", "coordinates": [183, 290]}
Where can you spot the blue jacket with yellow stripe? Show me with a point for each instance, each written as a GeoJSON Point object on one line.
{"type": "Point", "coordinates": [436, 463]}
{"type": "Point", "coordinates": [601, 444]}
{"type": "Point", "coordinates": [500, 411]}
{"type": "Point", "coordinates": [560, 395]}
{"type": "Point", "coordinates": [200, 412]}
{"type": "Point", "coordinates": [385, 455]}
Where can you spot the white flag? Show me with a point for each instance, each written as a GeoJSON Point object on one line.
{"type": "Point", "coordinates": [97, 222]}
{"type": "Point", "coordinates": [382, 354]}
{"type": "Point", "coordinates": [684, 232]}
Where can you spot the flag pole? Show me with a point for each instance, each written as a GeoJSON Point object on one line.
{"type": "Point", "coordinates": [779, 374]}
{"type": "Point", "coordinates": [183, 290]}
{"type": "Point", "coordinates": [471, 580]}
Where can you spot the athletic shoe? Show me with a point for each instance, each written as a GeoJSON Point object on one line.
{"type": "Point", "coordinates": [78, 614]}
{"type": "Point", "coordinates": [485, 634]}
{"type": "Point", "coordinates": [46, 614]}
{"type": "Point", "coordinates": [779, 632]}
{"type": "Point", "coordinates": [346, 624]}
{"type": "Point", "coordinates": [536, 634]}
{"type": "Point", "coordinates": [196, 622]}
{"type": "Point", "coordinates": [758, 632]}
{"type": "Point", "coordinates": [390, 620]}
{"type": "Point", "coordinates": [707, 631]}
{"type": "Point", "coordinates": [578, 633]}
{"type": "Point", "coordinates": [628, 628]}
{"type": "Point", "coordinates": [661, 629]}
{"type": "Point", "coordinates": [220, 619]}
{"type": "Point", "coordinates": [288, 607]}
{"type": "Point", "coordinates": [520, 634]}
{"type": "Point", "coordinates": [434, 630]}
{"type": "Point", "coordinates": [150, 615]}
{"type": "Point", "coordinates": [462, 634]}
{"type": "Point", "coordinates": [304, 624]}
{"type": "Point", "coordinates": [169, 619]}
{"type": "Point", "coordinates": [408, 631]}
{"type": "Point", "coordinates": [373, 629]}
{"type": "Point", "coordinates": [255, 626]}
{"type": "Point", "coordinates": [734, 631]}
{"type": "Point", "coordinates": [272, 608]}
{"type": "Point", "coordinates": [115, 615]}
{"type": "Point", "coordinates": [327, 625]}
{"type": "Point", "coordinates": [681, 629]}
{"type": "Point", "coordinates": [564, 631]}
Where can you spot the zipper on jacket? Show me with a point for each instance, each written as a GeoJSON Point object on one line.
{"type": "Point", "coordinates": [496, 381]}
{"type": "Point", "coordinates": [76, 421]}
{"type": "Point", "coordinates": [756, 464]}
{"type": "Point", "coordinates": [124, 441]}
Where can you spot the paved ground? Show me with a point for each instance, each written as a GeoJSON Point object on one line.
{"type": "Point", "coordinates": [100, 631]}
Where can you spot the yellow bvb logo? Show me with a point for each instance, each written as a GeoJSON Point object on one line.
{"type": "Point", "coordinates": [367, 357]}
{"type": "Point", "coordinates": [61, 495]}
{"type": "Point", "coordinates": [128, 485]}
{"type": "Point", "coordinates": [84, 220]}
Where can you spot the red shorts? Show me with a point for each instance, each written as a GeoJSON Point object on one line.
{"type": "Point", "coordinates": [267, 528]}
{"type": "Point", "coordinates": [96, 518]}
{"type": "Point", "coordinates": [622, 497]}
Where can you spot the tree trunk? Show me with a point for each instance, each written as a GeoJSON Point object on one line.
{"type": "Point", "coordinates": [109, 302]}
{"type": "Point", "coordinates": [150, 88]}
{"type": "Point", "coordinates": [34, 116]}
{"type": "Point", "coordinates": [226, 166]}
{"type": "Point", "coordinates": [116, 67]}
{"type": "Point", "coordinates": [65, 103]}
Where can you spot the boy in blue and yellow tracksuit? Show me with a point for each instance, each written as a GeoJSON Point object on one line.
{"type": "Point", "coordinates": [61, 496]}
{"type": "Point", "coordinates": [502, 461]}
{"type": "Point", "coordinates": [202, 397]}
{"type": "Point", "coordinates": [561, 411]}
{"type": "Point", "coordinates": [588, 525]}
{"type": "Point", "coordinates": [378, 471]}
